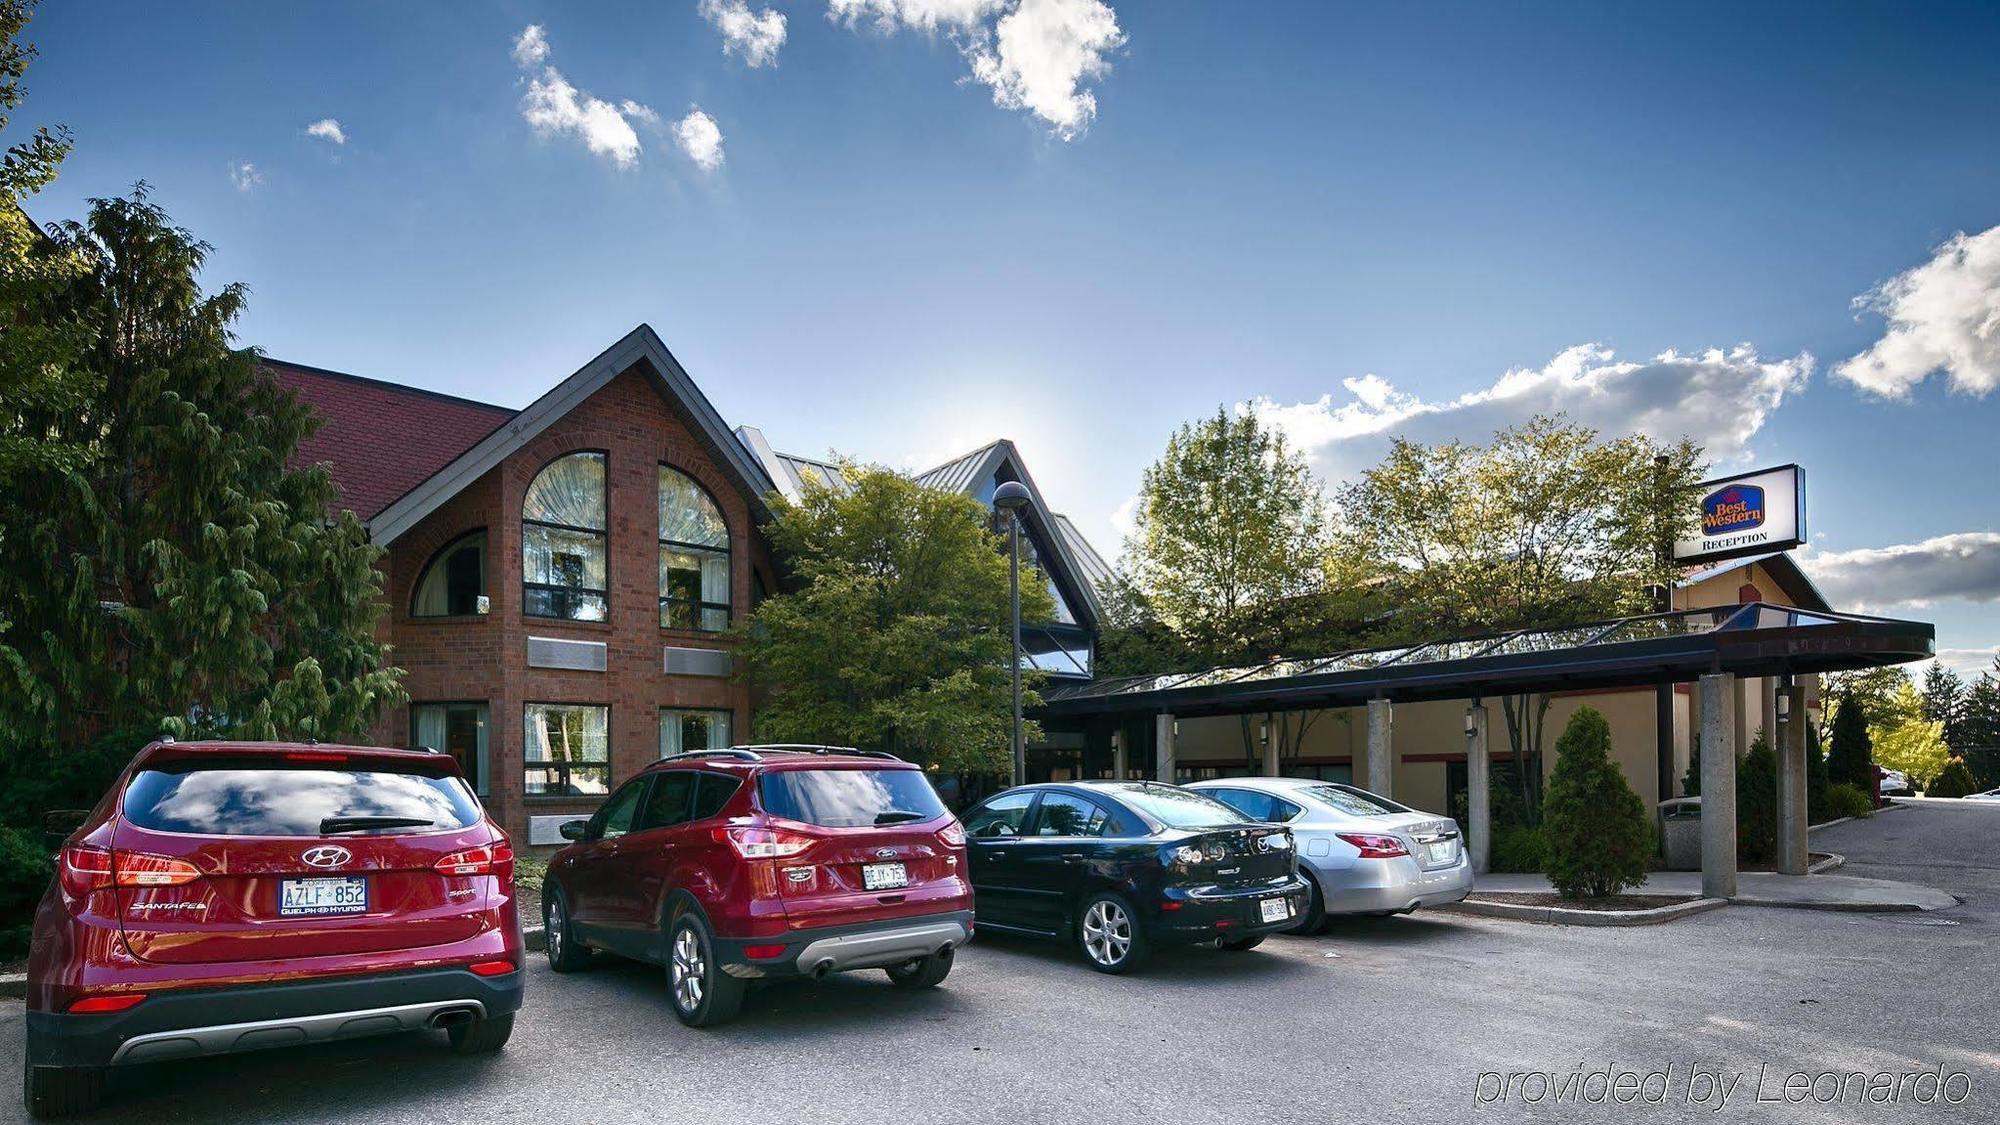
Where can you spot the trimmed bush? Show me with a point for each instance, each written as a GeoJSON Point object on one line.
{"type": "Point", "coordinates": [1954, 780]}
{"type": "Point", "coordinates": [1852, 758]}
{"type": "Point", "coordinates": [1518, 849]}
{"type": "Point", "coordinates": [25, 870]}
{"type": "Point", "coordinates": [1599, 840]}
{"type": "Point", "coordinates": [1846, 800]}
{"type": "Point", "coordinates": [1757, 802]}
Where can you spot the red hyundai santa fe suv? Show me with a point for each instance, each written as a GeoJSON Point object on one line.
{"type": "Point", "coordinates": [232, 896]}
{"type": "Point", "coordinates": [761, 863]}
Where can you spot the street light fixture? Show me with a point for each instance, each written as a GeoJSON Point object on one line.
{"type": "Point", "coordinates": [1011, 497]}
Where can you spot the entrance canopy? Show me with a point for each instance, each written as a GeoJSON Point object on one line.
{"type": "Point", "coordinates": [1755, 639]}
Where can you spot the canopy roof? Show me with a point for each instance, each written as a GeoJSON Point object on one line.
{"type": "Point", "coordinates": [1755, 639]}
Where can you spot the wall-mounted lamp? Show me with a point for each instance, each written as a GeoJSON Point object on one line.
{"type": "Point", "coordinates": [1471, 725]}
{"type": "Point", "coordinates": [1784, 706]}
{"type": "Point", "coordinates": [1264, 732]}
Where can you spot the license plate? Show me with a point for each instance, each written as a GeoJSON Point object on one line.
{"type": "Point", "coordinates": [881, 876]}
{"type": "Point", "coordinates": [347, 894]}
{"type": "Point", "coordinates": [1275, 909]}
{"type": "Point", "coordinates": [1443, 851]}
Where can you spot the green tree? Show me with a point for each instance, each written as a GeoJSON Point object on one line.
{"type": "Point", "coordinates": [1944, 698]}
{"type": "Point", "coordinates": [1979, 729]}
{"type": "Point", "coordinates": [1954, 780]}
{"type": "Point", "coordinates": [1851, 760]}
{"type": "Point", "coordinates": [1599, 839]}
{"type": "Point", "coordinates": [1757, 801]}
{"type": "Point", "coordinates": [893, 632]}
{"type": "Point", "coordinates": [178, 576]}
{"type": "Point", "coordinates": [1874, 690]}
{"type": "Point", "coordinates": [1906, 741]}
{"type": "Point", "coordinates": [1549, 524]}
{"type": "Point", "coordinates": [1818, 781]}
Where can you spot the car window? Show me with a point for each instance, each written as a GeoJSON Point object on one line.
{"type": "Point", "coordinates": [673, 794]}
{"type": "Point", "coordinates": [850, 798]}
{"type": "Point", "coordinates": [615, 818]}
{"type": "Point", "coordinates": [1283, 810]}
{"type": "Point", "coordinates": [1065, 815]}
{"type": "Point", "coordinates": [711, 792]}
{"type": "Point", "coordinates": [1355, 802]}
{"type": "Point", "coordinates": [1003, 815]}
{"type": "Point", "coordinates": [240, 799]}
{"type": "Point", "coordinates": [1249, 802]}
{"type": "Point", "coordinates": [1179, 808]}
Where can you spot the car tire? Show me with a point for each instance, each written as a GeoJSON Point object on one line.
{"type": "Point", "coordinates": [702, 995]}
{"type": "Point", "coordinates": [60, 1091]}
{"type": "Point", "coordinates": [1313, 919]}
{"type": "Point", "coordinates": [1110, 935]}
{"type": "Point", "coordinates": [565, 953]}
{"type": "Point", "coordinates": [481, 1036]}
{"type": "Point", "coordinates": [924, 972]}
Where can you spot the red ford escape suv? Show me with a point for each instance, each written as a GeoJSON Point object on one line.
{"type": "Point", "coordinates": [231, 896]}
{"type": "Point", "coordinates": [763, 862]}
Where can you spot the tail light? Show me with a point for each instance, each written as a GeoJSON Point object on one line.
{"type": "Point", "coordinates": [764, 843]}
{"type": "Point", "coordinates": [87, 868]}
{"type": "Point", "coordinates": [84, 869]}
{"type": "Point", "coordinates": [953, 834]}
{"type": "Point", "coordinates": [496, 858]}
{"type": "Point", "coordinates": [99, 1005]}
{"type": "Point", "coordinates": [493, 968]}
{"type": "Point", "coordinates": [1375, 847]}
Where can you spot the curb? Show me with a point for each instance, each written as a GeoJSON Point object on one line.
{"type": "Point", "coordinates": [1834, 861]}
{"type": "Point", "coordinates": [534, 937]}
{"type": "Point", "coordinates": [1564, 916]}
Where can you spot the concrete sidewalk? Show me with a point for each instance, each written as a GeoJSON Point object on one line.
{"type": "Point", "coordinates": [1764, 888]}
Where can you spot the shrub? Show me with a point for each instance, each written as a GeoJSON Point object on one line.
{"type": "Point", "coordinates": [1599, 840]}
{"type": "Point", "coordinates": [1848, 800]}
{"type": "Point", "coordinates": [1954, 780]}
{"type": "Point", "coordinates": [1818, 781]}
{"type": "Point", "coordinates": [1757, 802]}
{"type": "Point", "coordinates": [1691, 780]}
{"type": "Point", "coordinates": [1519, 849]}
{"type": "Point", "coordinates": [25, 870]}
{"type": "Point", "coordinates": [1852, 758]}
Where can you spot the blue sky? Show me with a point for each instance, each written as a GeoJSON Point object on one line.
{"type": "Point", "coordinates": [911, 226]}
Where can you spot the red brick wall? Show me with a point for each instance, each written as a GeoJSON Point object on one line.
{"type": "Point", "coordinates": [485, 658]}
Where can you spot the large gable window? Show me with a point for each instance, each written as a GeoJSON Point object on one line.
{"type": "Point", "coordinates": [562, 540]}
{"type": "Point", "coordinates": [694, 556]}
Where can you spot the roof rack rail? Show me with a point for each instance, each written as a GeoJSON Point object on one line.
{"type": "Point", "coordinates": [736, 752]}
{"type": "Point", "coordinates": [822, 750]}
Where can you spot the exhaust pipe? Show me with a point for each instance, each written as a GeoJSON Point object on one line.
{"type": "Point", "coordinates": [452, 1017]}
{"type": "Point", "coordinates": [822, 968]}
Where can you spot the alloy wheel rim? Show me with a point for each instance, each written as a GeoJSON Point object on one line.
{"type": "Point", "coordinates": [1107, 932]}
{"type": "Point", "coordinates": [687, 971]}
{"type": "Point", "coordinates": [552, 930]}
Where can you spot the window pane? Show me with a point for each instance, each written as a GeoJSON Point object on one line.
{"type": "Point", "coordinates": [694, 588]}
{"type": "Point", "coordinates": [615, 819]}
{"type": "Point", "coordinates": [673, 792]}
{"type": "Point", "coordinates": [458, 729]}
{"type": "Point", "coordinates": [712, 792]}
{"type": "Point", "coordinates": [1179, 808]}
{"type": "Point", "coordinates": [568, 749]}
{"type": "Point", "coordinates": [569, 492]}
{"type": "Point", "coordinates": [1064, 815]}
{"type": "Point", "coordinates": [1001, 816]}
{"type": "Point", "coordinates": [850, 798]}
{"type": "Point", "coordinates": [687, 515]}
{"type": "Point", "coordinates": [454, 581]}
{"type": "Point", "coordinates": [551, 556]}
{"type": "Point", "coordinates": [287, 800]}
{"type": "Point", "coordinates": [682, 731]}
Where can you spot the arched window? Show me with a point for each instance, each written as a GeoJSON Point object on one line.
{"type": "Point", "coordinates": [453, 583]}
{"type": "Point", "coordinates": [694, 556]}
{"type": "Point", "coordinates": [562, 540]}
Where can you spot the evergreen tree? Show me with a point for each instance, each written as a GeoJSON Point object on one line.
{"type": "Point", "coordinates": [1600, 841]}
{"type": "Point", "coordinates": [1757, 801]}
{"type": "Point", "coordinates": [1943, 700]}
{"type": "Point", "coordinates": [1818, 780]}
{"type": "Point", "coordinates": [1852, 758]}
{"type": "Point", "coordinates": [1954, 780]}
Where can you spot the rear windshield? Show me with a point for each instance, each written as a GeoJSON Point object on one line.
{"type": "Point", "coordinates": [275, 800]}
{"type": "Point", "coordinates": [1355, 802]}
{"type": "Point", "coordinates": [1180, 808]}
{"type": "Point", "coordinates": [850, 798]}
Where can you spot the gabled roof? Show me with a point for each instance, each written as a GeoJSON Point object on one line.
{"type": "Point", "coordinates": [382, 439]}
{"type": "Point", "coordinates": [962, 473]}
{"type": "Point", "coordinates": [1783, 569]}
{"type": "Point", "coordinates": [642, 349]}
{"type": "Point", "coordinates": [789, 471]}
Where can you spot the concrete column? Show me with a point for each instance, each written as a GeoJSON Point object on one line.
{"type": "Point", "coordinates": [1478, 787]}
{"type": "Point", "coordinates": [1790, 744]}
{"type": "Point", "coordinates": [1118, 767]}
{"type": "Point", "coordinates": [1163, 748]}
{"type": "Point", "coordinates": [1270, 729]}
{"type": "Point", "coordinates": [1767, 692]}
{"type": "Point", "coordinates": [1719, 715]}
{"type": "Point", "coordinates": [1381, 752]}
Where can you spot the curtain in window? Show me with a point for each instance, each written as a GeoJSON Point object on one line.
{"type": "Point", "coordinates": [687, 515]}
{"type": "Point", "coordinates": [570, 491]}
{"type": "Point", "coordinates": [458, 729]}
{"type": "Point", "coordinates": [568, 749]}
{"type": "Point", "coordinates": [427, 723]}
{"type": "Point", "coordinates": [681, 731]}
{"type": "Point", "coordinates": [453, 582]}
{"type": "Point", "coordinates": [563, 542]}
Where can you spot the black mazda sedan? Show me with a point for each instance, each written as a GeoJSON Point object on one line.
{"type": "Point", "coordinates": [1121, 866]}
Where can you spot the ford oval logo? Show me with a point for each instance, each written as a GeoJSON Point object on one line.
{"type": "Point", "coordinates": [885, 853]}
{"type": "Point", "coordinates": [327, 855]}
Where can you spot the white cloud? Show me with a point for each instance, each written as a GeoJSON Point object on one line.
{"type": "Point", "coordinates": [1943, 315]}
{"type": "Point", "coordinates": [245, 175]}
{"type": "Point", "coordinates": [1720, 398]}
{"type": "Point", "coordinates": [1962, 566]}
{"type": "Point", "coordinates": [1968, 662]}
{"type": "Point", "coordinates": [554, 107]}
{"type": "Point", "coordinates": [326, 128]}
{"type": "Point", "coordinates": [699, 137]}
{"type": "Point", "coordinates": [1037, 55]}
{"type": "Point", "coordinates": [754, 35]}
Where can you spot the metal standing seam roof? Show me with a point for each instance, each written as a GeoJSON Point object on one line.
{"type": "Point", "coordinates": [961, 473]}
{"type": "Point", "coordinates": [1755, 639]}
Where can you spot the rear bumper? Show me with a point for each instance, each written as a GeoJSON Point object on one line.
{"type": "Point", "coordinates": [215, 1021]}
{"type": "Point", "coordinates": [838, 949]}
{"type": "Point", "coordinates": [1204, 915]}
{"type": "Point", "coordinates": [1374, 886]}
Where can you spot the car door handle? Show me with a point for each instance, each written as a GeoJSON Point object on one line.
{"type": "Point", "coordinates": [996, 855]}
{"type": "Point", "coordinates": [1072, 858]}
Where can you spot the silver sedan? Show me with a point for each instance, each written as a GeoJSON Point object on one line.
{"type": "Point", "coordinates": [1362, 853]}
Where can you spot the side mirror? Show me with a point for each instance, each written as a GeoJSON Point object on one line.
{"type": "Point", "coordinates": [59, 823]}
{"type": "Point", "coordinates": [574, 829]}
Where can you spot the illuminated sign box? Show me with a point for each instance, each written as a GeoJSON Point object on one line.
{"type": "Point", "coordinates": [1751, 514]}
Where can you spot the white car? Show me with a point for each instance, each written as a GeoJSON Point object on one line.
{"type": "Point", "coordinates": [1894, 782]}
{"type": "Point", "coordinates": [1989, 795]}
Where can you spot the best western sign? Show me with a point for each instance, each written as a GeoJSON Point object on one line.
{"type": "Point", "coordinates": [1747, 515]}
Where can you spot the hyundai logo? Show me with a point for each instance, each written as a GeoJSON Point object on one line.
{"type": "Point", "coordinates": [327, 855]}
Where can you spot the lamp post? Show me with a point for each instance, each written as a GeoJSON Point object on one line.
{"type": "Point", "coordinates": [1010, 498]}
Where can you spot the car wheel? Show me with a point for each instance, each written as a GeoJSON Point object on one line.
{"type": "Point", "coordinates": [481, 1036]}
{"type": "Point", "coordinates": [1313, 919]}
{"type": "Point", "coordinates": [59, 1091]}
{"type": "Point", "coordinates": [924, 972]}
{"type": "Point", "coordinates": [1108, 930]}
{"type": "Point", "coordinates": [565, 953]}
{"type": "Point", "coordinates": [1239, 945]}
{"type": "Point", "coordinates": [702, 994]}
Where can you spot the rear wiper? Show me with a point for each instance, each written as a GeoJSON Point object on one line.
{"type": "Point", "coordinates": [898, 816]}
{"type": "Point", "coordinates": [333, 824]}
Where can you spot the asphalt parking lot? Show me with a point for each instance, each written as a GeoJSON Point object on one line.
{"type": "Point", "coordinates": [1381, 1020]}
